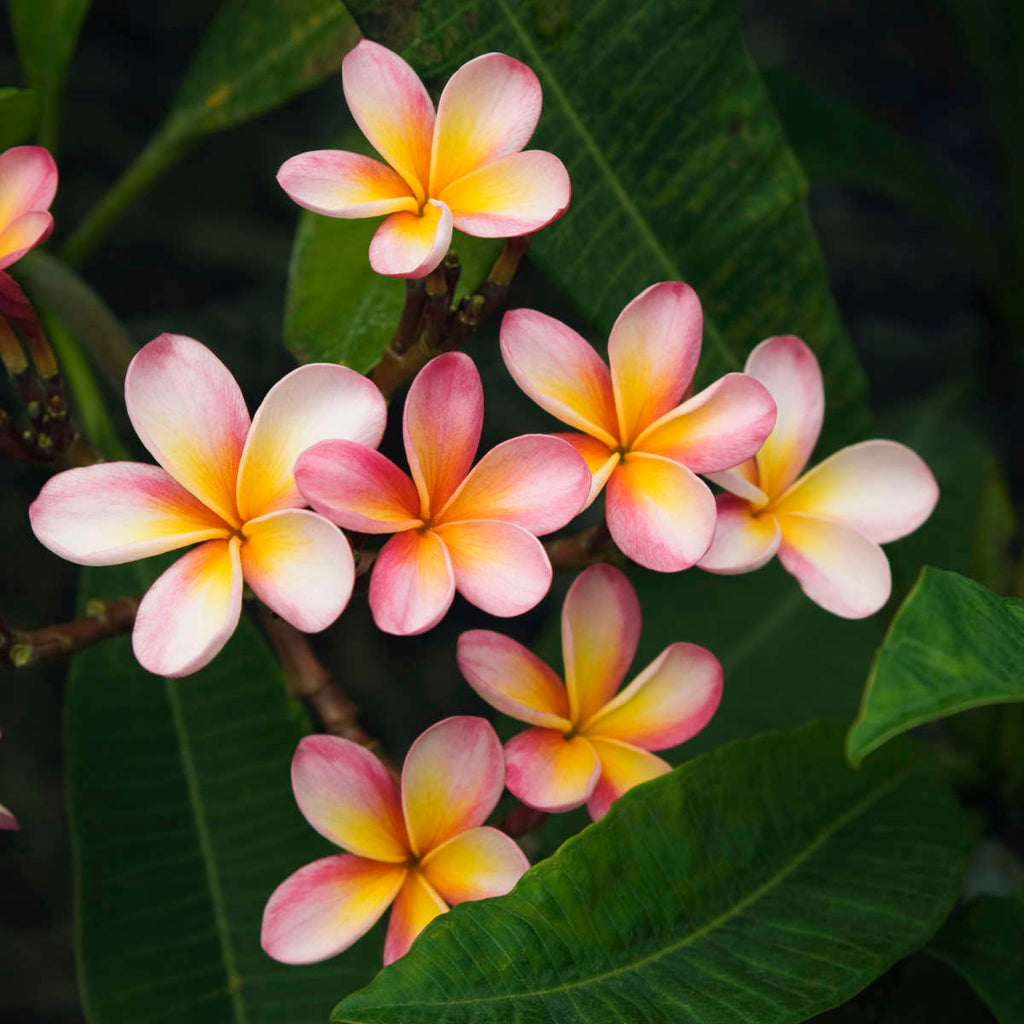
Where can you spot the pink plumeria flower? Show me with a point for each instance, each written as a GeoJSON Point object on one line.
{"type": "Point", "coordinates": [462, 168]}
{"type": "Point", "coordinates": [28, 183]}
{"type": "Point", "coordinates": [637, 438]}
{"type": "Point", "coordinates": [588, 744]}
{"type": "Point", "coordinates": [226, 484]}
{"type": "Point", "coordinates": [826, 526]}
{"type": "Point", "coordinates": [422, 847]}
{"type": "Point", "coordinates": [456, 528]}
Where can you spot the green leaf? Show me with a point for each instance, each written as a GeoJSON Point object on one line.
{"type": "Point", "coordinates": [18, 109]}
{"type": "Point", "coordinates": [183, 822]}
{"type": "Point", "coordinates": [953, 645]}
{"type": "Point", "coordinates": [764, 882]}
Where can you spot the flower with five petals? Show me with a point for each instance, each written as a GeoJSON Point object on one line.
{"type": "Point", "coordinates": [28, 183]}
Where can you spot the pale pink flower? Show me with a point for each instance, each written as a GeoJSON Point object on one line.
{"type": "Point", "coordinates": [28, 183]}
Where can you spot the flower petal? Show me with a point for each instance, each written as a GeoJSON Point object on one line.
{"type": "Point", "coordinates": [416, 905]}
{"type": "Point", "coordinates": [189, 412]}
{"type": "Point", "coordinates": [837, 568]}
{"type": "Point", "coordinates": [412, 585]}
{"type": "Point", "coordinates": [28, 182]}
{"type": "Point", "coordinates": [653, 351]}
{"type": "Point", "coordinates": [499, 567]}
{"type": "Point", "coordinates": [190, 612]}
{"type": "Point", "coordinates": [324, 907]}
{"type": "Point", "coordinates": [340, 184]}
{"type": "Point", "coordinates": [741, 480]}
{"type": "Point", "coordinates": [117, 512]}
{"type": "Point", "coordinates": [412, 244]}
{"type": "Point", "coordinates": [17, 237]}
{"type": "Point", "coordinates": [513, 679]}
{"type": "Point", "coordinates": [392, 109]}
{"type": "Point", "coordinates": [878, 488]}
{"type": "Point", "coordinates": [549, 772]}
{"type": "Point", "coordinates": [357, 488]}
{"type": "Point", "coordinates": [623, 766]}
{"type": "Point", "coordinates": [743, 542]}
{"type": "Point", "coordinates": [452, 778]}
{"type": "Point", "coordinates": [659, 513]}
{"type": "Point", "coordinates": [8, 822]}
{"type": "Point", "coordinates": [441, 423]}
{"type": "Point", "coordinates": [347, 795]}
{"type": "Point", "coordinates": [474, 865]}
{"type": "Point", "coordinates": [786, 366]}
{"type": "Point", "coordinates": [560, 372]}
{"type": "Point", "coordinates": [600, 460]}
{"type": "Point", "coordinates": [600, 633]}
{"type": "Point", "coordinates": [317, 402]}
{"type": "Point", "coordinates": [300, 566]}
{"type": "Point", "coordinates": [489, 108]}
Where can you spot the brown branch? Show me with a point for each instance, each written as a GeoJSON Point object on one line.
{"type": "Point", "coordinates": [521, 819]}
{"type": "Point", "coordinates": [588, 547]}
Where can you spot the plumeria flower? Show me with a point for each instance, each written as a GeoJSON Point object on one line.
{"type": "Point", "coordinates": [223, 483]}
{"type": "Point", "coordinates": [639, 441]}
{"type": "Point", "coordinates": [421, 846]}
{"type": "Point", "coordinates": [456, 528]}
{"type": "Point", "coordinates": [588, 744]}
{"type": "Point", "coordinates": [825, 526]}
{"type": "Point", "coordinates": [28, 183]}
{"type": "Point", "coordinates": [462, 167]}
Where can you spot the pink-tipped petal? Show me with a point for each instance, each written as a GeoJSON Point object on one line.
{"type": "Point", "coordinates": [513, 679]}
{"type": "Point", "coordinates": [878, 488]}
{"type": "Point", "coordinates": [623, 766]}
{"type": "Point", "coordinates": [600, 633]}
{"type": "Point", "coordinates": [347, 795]}
{"type": "Point", "coordinates": [17, 237]}
{"type": "Point", "coordinates": [28, 182]}
{"type": "Point", "coordinates": [413, 584]}
{"type": "Point", "coordinates": [600, 460]}
{"type": "Point", "coordinates": [743, 542]}
{"type": "Point", "coordinates": [475, 865]}
{"type": "Point", "coordinates": [489, 108]}
{"type": "Point", "coordinates": [392, 109]}
{"type": "Point", "coordinates": [499, 567]}
{"type": "Point", "coordinates": [300, 566]}
{"type": "Point", "coordinates": [659, 513]}
{"type": "Point", "coordinates": [412, 244]}
{"type": "Point", "coordinates": [452, 778]}
{"type": "Point", "coordinates": [347, 185]}
{"type": "Point", "coordinates": [837, 568]}
{"type": "Point", "coordinates": [787, 367]}
{"type": "Point", "coordinates": [190, 612]}
{"type": "Point", "coordinates": [653, 351]}
{"type": "Point", "coordinates": [189, 412]}
{"type": "Point", "coordinates": [441, 423]}
{"type": "Point", "coordinates": [560, 372]}
{"type": "Point", "coordinates": [548, 772]}
{"type": "Point", "coordinates": [8, 822]}
{"type": "Point", "coordinates": [116, 512]}
{"type": "Point", "coordinates": [317, 402]}
{"type": "Point", "coordinates": [416, 905]}
{"type": "Point", "coordinates": [324, 907]}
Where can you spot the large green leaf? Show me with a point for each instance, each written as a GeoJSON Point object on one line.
{"type": "Point", "coordinates": [764, 882]}
{"type": "Point", "coordinates": [953, 645]}
{"type": "Point", "coordinates": [17, 116]}
{"type": "Point", "coordinates": [183, 821]}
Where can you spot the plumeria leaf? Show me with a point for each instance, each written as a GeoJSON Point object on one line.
{"type": "Point", "coordinates": [953, 645]}
{"type": "Point", "coordinates": [18, 110]}
{"type": "Point", "coordinates": [765, 881]}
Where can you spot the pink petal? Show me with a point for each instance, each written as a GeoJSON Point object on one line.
{"type": "Point", "coordinates": [653, 351]}
{"type": "Point", "coordinates": [475, 865]}
{"type": "Point", "coordinates": [117, 512]}
{"type": "Point", "coordinates": [392, 109]}
{"type": "Point", "coordinates": [513, 679]}
{"type": "Point", "coordinates": [788, 369]}
{"type": "Point", "coordinates": [549, 772]}
{"type": "Point", "coordinates": [600, 633]}
{"type": "Point", "coordinates": [8, 822]}
{"type": "Point", "coordinates": [412, 244]}
{"type": "Point", "coordinates": [444, 413]}
{"type": "Point", "coordinates": [413, 584]}
{"type": "Point", "coordinates": [742, 481]}
{"type": "Point", "coordinates": [189, 412]}
{"type": "Point", "coordinates": [357, 488]}
{"type": "Point", "coordinates": [326, 906]}
{"type": "Point", "coordinates": [622, 767]}
{"type": "Point", "coordinates": [347, 795]}
{"type": "Point", "coordinates": [600, 460]}
{"type": "Point", "coordinates": [743, 542]}
{"type": "Point", "coordinates": [659, 513]}
{"type": "Point", "coordinates": [340, 184]}
{"type": "Point", "coordinates": [28, 182]}
{"type": "Point", "coordinates": [560, 372]}
{"type": "Point", "coordinates": [488, 109]}
{"type": "Point", "coordinates": [416, 905]}
{"type": "Point", "coordinates": [14, 303]}
{"type": "Point", "coordinates": [20, 235]}
{"type": "Point", "coordinates": [190, 612]}
{"type": "Point", "coordinates": [878, 488]}
{"type": "Point", "coordinates": [837, 568]}
{"type": "Point", "coordinates": [452, 778]}
{"type": "Point", "coordinates": [300, 566]}
{"type": "Point", "coordinates": [317, 402]}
